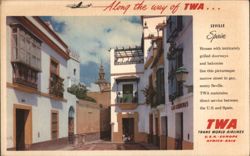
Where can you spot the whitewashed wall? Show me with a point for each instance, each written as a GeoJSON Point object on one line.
{"type": "Point", "coordinates": [41, 106]}
{"type": "Point", "coordinates": [142, 109]}
{"type": "Point", "coordinates": [186, 39]}
{"type": "Point", "coordinates": [71, 78]}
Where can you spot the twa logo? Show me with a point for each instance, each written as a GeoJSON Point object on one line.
{"type": "Point", "coordinates": [222, 123]}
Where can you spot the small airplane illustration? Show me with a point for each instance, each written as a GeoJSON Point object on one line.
{"type": "Point", "coordinates": [79, 5]}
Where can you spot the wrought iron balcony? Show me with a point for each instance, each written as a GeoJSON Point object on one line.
{"type": "Point", "coordinates": [127, 101]}
{"type": "Point", "coordinates": [127, 98]}
{"type": "Point", "coordinates": [56, 85]}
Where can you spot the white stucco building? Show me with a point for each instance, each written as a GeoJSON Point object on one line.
{"type": "Point", "coordinates": [162, 112]}
{"type": "Point", "coordinates": [40, 68]}
{"type": "Point", "coordinates": [178, 54]}
{"type": "Point", "coordinates": [127, 100]}
{"type": "Point", "coordinates": [129, 112]}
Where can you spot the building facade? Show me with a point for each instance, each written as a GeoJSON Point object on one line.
{"type": "Point", "coordinates": [178, 51]}
{"type": "Point", "coordinates": [151, 85]}
{"type": "Point", "coordinates": [171, 100]}
{"type": "Point", "coordinates": [130, 113]}
{"type": "Point", "coordinates": [127, 100]}
{"type": "Point", "coordinates": [154, 89]}
{"type": "Point", "coordinates": [39, 64]}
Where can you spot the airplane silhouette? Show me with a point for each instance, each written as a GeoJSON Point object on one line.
{"type": "Point", "coordinates": [79, 5]}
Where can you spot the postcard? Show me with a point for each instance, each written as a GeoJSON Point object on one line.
{"type": "Point", "coordinates": [122, 77]}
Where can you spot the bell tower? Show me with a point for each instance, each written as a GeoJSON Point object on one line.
{"type": "Point", "coordinates": [101, 73]}
{"type": "Point", "coordinates": [104, 85]}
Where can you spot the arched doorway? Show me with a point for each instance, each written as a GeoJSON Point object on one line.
{"type": "Point", "coordinates": [71, 125]}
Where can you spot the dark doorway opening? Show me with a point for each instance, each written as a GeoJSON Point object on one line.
{"type": "Point", "coordinates": [151, 130]}
{"type": "Point", "coordinates": [157, 140]}
{"type": "Point", "coordinates": [164, 132]}
{"type": "Point", "coordinates": [21, 118]}
{"type": "Point", "coordinates": [128, 129]}
{"type": "Point", "coordinates": [71, 125]}
{"type": "Point", "coordinates": [166, 126]}
{"type": "Point", "coordinates": [178, 130]}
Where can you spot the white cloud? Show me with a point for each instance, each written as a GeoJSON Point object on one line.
{"type": "Point", "coordinates": [92, 37]}
{"type": "Point", "coordinates": [93, 87]}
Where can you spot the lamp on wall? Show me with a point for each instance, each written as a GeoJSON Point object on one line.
{"type": "Point", "coordinates": [181, 76]}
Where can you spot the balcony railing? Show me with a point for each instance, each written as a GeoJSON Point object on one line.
{"type": "Point", "coordinates": [127, 98]}
{"type": "Point", "coordinates": [56, 85]}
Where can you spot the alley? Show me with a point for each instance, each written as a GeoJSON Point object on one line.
{"type": "Point", "coordinates": [116, 146]}
{"type": "Point", "coordinates": [111, 146]}
{"type": "Point", "coordinates": [99, 145]}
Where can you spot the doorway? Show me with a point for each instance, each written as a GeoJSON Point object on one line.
{"type": "Point", "coordinates": [21, 128]}
{"type": "Point", "coordinates": [151, 128]}
{"type": "Point", "coordinates": [178, 130]}
{"type": "Point", "coordinates": [71, 125]}
{"type": "Point", "coordinates": [128, 129]}
{"type": "Point", "coordinates": [157, 140]}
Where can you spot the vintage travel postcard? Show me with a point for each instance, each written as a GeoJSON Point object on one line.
{"type": "Point", "coordinates": [124, 77]}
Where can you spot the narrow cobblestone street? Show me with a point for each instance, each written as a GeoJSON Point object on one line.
{"type": "Point", "coordinates": [116, 146]}
{"type": "Point", "coordinates": [100, 145]}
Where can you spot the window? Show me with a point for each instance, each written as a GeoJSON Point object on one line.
{"type": "Point", "coordinates": [56, 87]}
{"type": "Point", "coordinates": [127, 90]}
{"type": "Point", "coordinates": [74, 71]}
{"type": "Point", "coordinates": [160, 86]}
{"type": "Point", "coordinates": [26, 48]}
{"type": "Point", "coordinates": [54, 125]}
{"type": "Point", "coordinates": [54, 67]}
{"type": "Point", "coordinates": [25, 56]}
{"type": "Point", "coordinates": [174, 26]}
{"type": "Point", "coordinates": [175, 88]}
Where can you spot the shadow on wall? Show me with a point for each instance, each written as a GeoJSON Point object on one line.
{"type": "Point", "coordinates": [26, 98]}
{"type": "Point", "coordinates": [56, 104]}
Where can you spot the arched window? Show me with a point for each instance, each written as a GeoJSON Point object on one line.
{"type": "Point", "coordinates": [71, 112]}
{"type": "Point", "coordinates": [71, 125]}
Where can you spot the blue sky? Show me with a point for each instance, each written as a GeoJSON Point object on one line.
{"type": "Point", "coordinates": [91, 37]}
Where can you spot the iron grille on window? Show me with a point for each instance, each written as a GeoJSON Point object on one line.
{"type": "Point", "coordinates": [175, 88]}
{"type": "Point", "coordinates": [160, 86]}
{"type": "Point", "coordinates": [127, 95]}
{"type": "Point", "coordinates": [174, 26]}
{"type": "Point", "coordinates": [56, 86]}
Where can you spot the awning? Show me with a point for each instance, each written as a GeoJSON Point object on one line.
{"type": "Point", "coordinates": [127, 78]}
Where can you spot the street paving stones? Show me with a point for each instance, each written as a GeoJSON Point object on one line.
{"type": "Point", "coordinates": [100, 145]}
{"type": "Point", "coordinates": [116, 146]}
